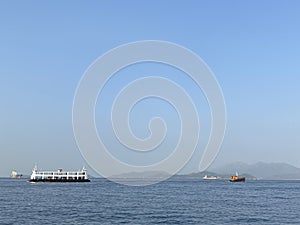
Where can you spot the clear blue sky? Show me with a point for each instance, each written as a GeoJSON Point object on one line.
{"type": "Point", "coordinates": [252, 47]}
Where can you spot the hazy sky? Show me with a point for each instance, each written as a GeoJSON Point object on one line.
{"type": "Point", "coordinates": [253, 48]}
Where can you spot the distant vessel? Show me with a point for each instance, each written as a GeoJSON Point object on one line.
{"type": "Point", "coordinates": [15, 174]}
{"type": "Point", "coordinates": [58, 176]}
{"type": "Point", "coordinates": [236, 178]}
{"type": "Point", "coordinates": [211, 177]}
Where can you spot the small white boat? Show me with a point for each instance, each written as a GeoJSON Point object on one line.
{"type": "Point", "coordinates": [211, 177]}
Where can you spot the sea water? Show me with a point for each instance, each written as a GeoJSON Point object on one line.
{"type": "Point", "coordinates": [175, 201]}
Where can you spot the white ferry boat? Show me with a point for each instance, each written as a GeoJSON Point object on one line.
{"type": "Point", "coordinates": [58, 176]}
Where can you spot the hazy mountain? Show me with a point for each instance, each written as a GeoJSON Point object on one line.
{"type": "Point", "coordinates": [142, 175]}
{"type": "Point", "coordinates": [161, 174]}
{"type": "Point", "coordinates": [262, 170]}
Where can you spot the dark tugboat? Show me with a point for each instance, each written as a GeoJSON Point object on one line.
{"type": "Point", "coordinates": [236, 178]}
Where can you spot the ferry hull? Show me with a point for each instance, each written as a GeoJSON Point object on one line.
{"type": "Point", "coordinates": [57, 181]}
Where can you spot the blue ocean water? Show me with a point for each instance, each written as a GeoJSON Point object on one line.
{"type": "Point", "coordinates": [175, 201]}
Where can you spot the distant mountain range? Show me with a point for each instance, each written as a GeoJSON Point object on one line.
{"type": "Point", "coordinates": [262, 170]}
